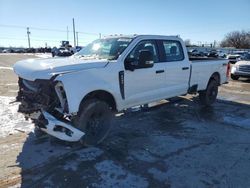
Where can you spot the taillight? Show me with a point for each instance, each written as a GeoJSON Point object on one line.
{"type": "Point", "coordinates": [228, 70]}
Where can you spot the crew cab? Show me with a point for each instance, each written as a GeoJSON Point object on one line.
{"type": "Point", "coordinates": [74, 98]}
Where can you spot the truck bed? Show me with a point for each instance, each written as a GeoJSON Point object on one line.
{"type": "Point", "coordinates": [194, 59]}
{"type": "Point", "coordinates": [203, 68]}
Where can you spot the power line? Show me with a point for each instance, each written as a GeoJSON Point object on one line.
{"type": "Point", "coordinates": [45, 29]}
{"type": "Point", "coordinates": [23, 39]}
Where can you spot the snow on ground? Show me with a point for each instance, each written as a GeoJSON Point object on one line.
{"type": "Point", "coordinates": [6, 68]}
{"type": "Point", "coordinates": [237, 121]}
{"type": "Point", "coordinates": [10, 120]}
{"type": "Point", "coordinates": [42, 55]}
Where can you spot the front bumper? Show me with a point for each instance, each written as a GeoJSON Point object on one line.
{"type": "Point", "coordinates": [235, 71]}
{"type": "Point", "coordinates": [41, 102]}
{"type": "Point", "coordinates": [240, 73]}
{"type": "Point", "coordinates": [59, 129]}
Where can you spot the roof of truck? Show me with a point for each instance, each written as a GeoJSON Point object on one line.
{"type": "Point", "coordinates": [135, 36]}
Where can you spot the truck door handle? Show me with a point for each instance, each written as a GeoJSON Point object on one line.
{"type": "Point", "coordinates": [185, 68]}
{"type": "Point", "coordinates": [159, 71]}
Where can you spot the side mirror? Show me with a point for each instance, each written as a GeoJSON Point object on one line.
{"type": "Point", "coordinates": [145, 59]}
{"type": "Point", "coordinates": [130, 64]}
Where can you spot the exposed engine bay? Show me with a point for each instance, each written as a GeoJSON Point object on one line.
{"type": "Point", "coordinates": [45, 103]}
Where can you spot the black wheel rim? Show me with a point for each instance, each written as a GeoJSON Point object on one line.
{"type": "Point", "coordinates": [212, 94]}
{"type": "Point", "coordinates": [94, 123]}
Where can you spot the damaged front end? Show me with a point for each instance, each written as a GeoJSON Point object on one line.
{"type": "Point", "coordinates": [45, 103]}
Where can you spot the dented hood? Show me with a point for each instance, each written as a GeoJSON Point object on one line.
{"type": "Point", "coordinates": [32, 69]}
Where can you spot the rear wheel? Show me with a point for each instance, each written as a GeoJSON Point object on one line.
{"type": "Point", "coordinates": [94, 119]}
{"type": "Point", "coordinates": [208, 96]}
{"type": "Point", "coordinates": [234, 77]}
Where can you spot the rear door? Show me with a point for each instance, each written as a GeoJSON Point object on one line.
{"type": "Point", "coordinates": [177, 67]}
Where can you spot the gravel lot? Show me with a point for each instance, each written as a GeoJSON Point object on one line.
{"type": "Point", "coordinates": [175, 144]}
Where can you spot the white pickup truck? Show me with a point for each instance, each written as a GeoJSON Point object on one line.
{"type": "Point", "coordinates": [75, 98]}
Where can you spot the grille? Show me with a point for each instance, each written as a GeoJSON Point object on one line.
{"type": "Point", "coordinates": [244, 68]}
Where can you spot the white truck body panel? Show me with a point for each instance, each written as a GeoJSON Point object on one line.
{"type": "Point", "coordinates": [201, 77]}
{"type": "Point", "coordinates": [41, 68]}
{"type": "Point", "coordinates": [80, 76]}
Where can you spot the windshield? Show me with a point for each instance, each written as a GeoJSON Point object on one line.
{"type": "Point", "coordinates": [246, 57]}
{"type": "Point", "coordinates": [109, 48]}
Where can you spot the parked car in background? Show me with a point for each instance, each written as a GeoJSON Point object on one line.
{"type": "Point", "coordinates": [221, 54]}
{"type": "Point", "coordinates": [241, 53]}
{"type": "Point", "coordinates": [196, 53]}
{"type": "Point", "coordinates": [233, 58]}
{"type": "Point", "coordinates": [30, 50]}
{"type": "Point", "coordinates": [241, 68]}
{"type": "Point", "coordinates": [19, 50]}
{"type": "Point", "coordinates": [78, 48]}
{"type": "Point", "coordinates": [212, 53]}
{"type": "Point", "coordinates": [7, 51]}
{"type": "Point", "coordinates": [61, 52]}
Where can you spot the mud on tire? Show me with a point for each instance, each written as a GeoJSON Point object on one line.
{"type": "Point", "coordinates": [208, 96]}
{"type": "Point", "coordinates": [95, 120]}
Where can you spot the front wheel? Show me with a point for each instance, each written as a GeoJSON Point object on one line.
{"type": "Point", "coordinates": [208, 96]}
{"type": "Point", "coordinates": [234, 77]}
{"type": "Point", "coordinates": [94, 119]}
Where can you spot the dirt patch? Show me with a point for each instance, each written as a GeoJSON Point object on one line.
{"type": "Point", "coordinates": [8, 60]}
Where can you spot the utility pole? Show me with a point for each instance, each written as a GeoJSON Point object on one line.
{"type": "Point", "coordinates": [77, 38]}
{"type": "Point", "coordinates": [74, 32]}
{"type": "Point", "coordinates": [67, 33]}
{"type": "Point", "coordinates": [28, 34]}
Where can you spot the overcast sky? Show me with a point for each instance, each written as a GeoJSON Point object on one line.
{"type": "Point", "coordinates": [197, 20]}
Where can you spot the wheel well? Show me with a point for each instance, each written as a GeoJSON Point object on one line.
{"type": "Point", "coordinates": [215, 76]}
{"type": "Point", "coordinates": [101, 95]}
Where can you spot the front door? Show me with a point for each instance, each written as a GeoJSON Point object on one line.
{"type": "Point", "coordinates": [144, 85]}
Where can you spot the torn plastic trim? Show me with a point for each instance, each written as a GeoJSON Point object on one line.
{"type": "Point", "coordinates": [59, 88]}
{"type": "Point", "coordinates": [59, 129]}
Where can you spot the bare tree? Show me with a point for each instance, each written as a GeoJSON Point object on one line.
{"type": "Point", "coordinates": [237, 39]}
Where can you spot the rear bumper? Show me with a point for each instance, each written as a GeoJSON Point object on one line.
{"type": "Point", "coordinates": [61, 130]}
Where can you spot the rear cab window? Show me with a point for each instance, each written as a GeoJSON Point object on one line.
{"type": "Point", "coordinates": [172, 50]}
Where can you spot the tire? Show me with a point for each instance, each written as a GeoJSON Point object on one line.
{"type": "Point", "coordinates": [38, 132]}
{"type": "Point", "coordinates": [208, 96]}
{"type": "Point", "coordinates": [234, 77]}
{"type": "Point", "coordinates": [95, 120]}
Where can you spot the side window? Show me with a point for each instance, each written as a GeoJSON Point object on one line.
{"type": "Point", "coordinates": [173, 51]}
{"type": "Point", "coordinates": [144, 45]}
